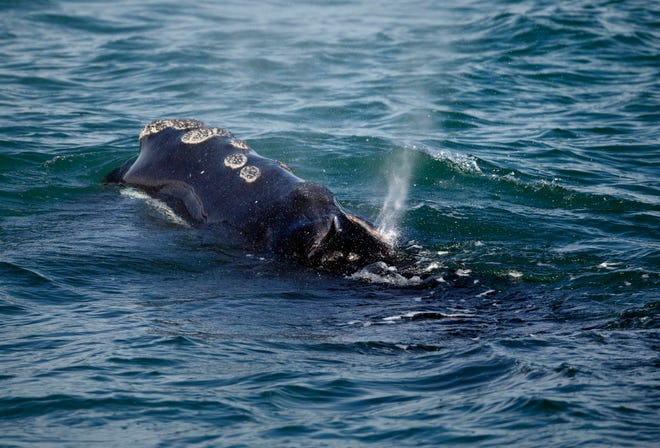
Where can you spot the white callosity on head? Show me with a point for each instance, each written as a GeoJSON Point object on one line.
{"type": "Point", "coordinates": [239, 144]}
{"type": "Point", "coordinates": [195, 136]}
{"type": "Point", "coordinates": [284, 166]}
{"type": "Point", "coordinates": [235, 161]}
{"type": "Point", "coordinates": [250, 173]}
{"type": "Point", "coordinates": [159, 125]}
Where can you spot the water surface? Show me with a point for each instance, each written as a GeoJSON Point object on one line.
{"type": "Point", "coordinates": [525, 134]}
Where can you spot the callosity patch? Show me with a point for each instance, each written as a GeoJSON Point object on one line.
{"type": "Point", "coordinates": [160, 125]}
{"type": "Point", "coordinates": [250, 173]}
{"type": "Point", "coordinates": [235, 160]}
{"type": "Point", "coordinates": [200, 135]}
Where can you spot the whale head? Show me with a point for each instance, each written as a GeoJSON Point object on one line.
{"type": "Point", "coordinates": [321, 234]}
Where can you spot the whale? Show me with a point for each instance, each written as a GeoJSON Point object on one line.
{"type": "Point", "coordinates": [215, 181]}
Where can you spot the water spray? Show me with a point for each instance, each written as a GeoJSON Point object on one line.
{"type": "Point", "coordinates": [398, 184]}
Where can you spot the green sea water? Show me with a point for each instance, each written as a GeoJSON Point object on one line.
{"type": "Point", "coordinates": [512, 147]}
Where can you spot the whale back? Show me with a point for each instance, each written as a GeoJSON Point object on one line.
{"type": "Point", "coordinates": [210, 178]}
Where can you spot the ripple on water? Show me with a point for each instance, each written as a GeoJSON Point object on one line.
{"type": "Point", "coordinates": [524, 137]}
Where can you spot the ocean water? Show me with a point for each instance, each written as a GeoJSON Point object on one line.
{"type": "Point", "coordinates": [512, 148]}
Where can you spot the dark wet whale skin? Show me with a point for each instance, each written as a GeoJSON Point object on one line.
{"type": "Point", "coordinates": [213, 180]}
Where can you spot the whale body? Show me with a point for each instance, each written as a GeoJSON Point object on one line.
{"type": "Point", "coordinates": [213, 180]}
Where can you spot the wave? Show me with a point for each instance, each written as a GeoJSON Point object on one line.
{"type": "Point", "coordinates": [491, 217]}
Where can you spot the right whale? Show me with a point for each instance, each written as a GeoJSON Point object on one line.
{"type": "Point", "coordinates": [213, 180]}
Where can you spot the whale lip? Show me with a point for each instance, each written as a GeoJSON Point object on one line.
{"type": "Point", "coordinates": [346, 242]}
{"type": "Point", "coordinates": [320, 240]}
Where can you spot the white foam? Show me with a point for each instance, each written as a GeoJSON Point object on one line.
{"type": "Point", "coordinates": [159, 206]}
{"type": "Point", "coordinates": [434, 315]}
{"type": "Point", "coordinates": [381, 273]}
{"type": "Point", "coordinates": [461, 162]}
{"type": "Point", "coordinates": [608, 265]}
{"type": "Point", "coordinates": [433, 266]}
{"type": "Point", "coordinates": [485, 293]}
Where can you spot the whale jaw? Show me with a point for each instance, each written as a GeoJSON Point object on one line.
{"type": "Point", "coordinates": [338, 242]}
{"type": "Point", "coordinates": [319, 233]}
